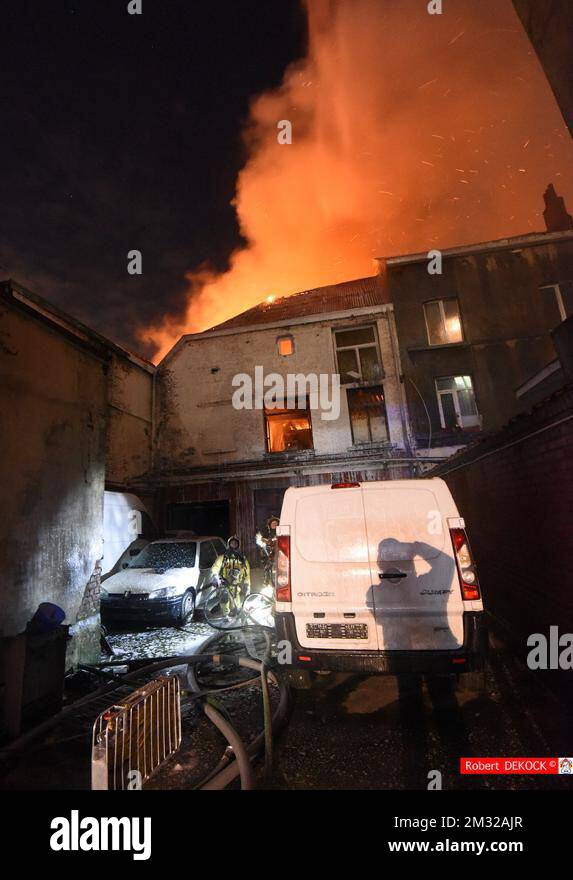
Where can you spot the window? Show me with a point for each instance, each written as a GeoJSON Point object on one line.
{"type": "Point", "coordinates": [357, 355]}
{"type": "Point", "coordinates": [164, 555]}
{"type": "Point", "coordinates": [456, 402]}
{"type": "Point", "coordinates": [557, 302]}
{"type": "Point", "coordinates": [285, 345]}
{"type": "Point", "coordinates": [367, 412]}
{"type": "Point", "coordinates": [443, 322]}
{"type": "Point", "coordinates": [288, 429]}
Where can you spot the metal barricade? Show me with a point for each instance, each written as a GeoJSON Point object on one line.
{"type": "Point", "coordinates": [132, 739]}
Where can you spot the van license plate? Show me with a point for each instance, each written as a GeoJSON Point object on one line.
{"type": "Point", "coordinates": [337, 631]}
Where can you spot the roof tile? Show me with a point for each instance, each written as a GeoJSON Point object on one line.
{"type": "Point", "coordinates": [358, 294]}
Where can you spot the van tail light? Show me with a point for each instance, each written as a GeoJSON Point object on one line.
{"type": "Point", "coordinates": [345, 486]}
{"type": "Point", "coordinates": [282, 576]}
{"type": "Point", "coordinates": [466, 565]}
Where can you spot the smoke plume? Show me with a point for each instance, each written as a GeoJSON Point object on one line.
{"type": "Point", "coordinates": [409, 131]}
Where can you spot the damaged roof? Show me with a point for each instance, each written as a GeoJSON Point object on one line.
{"type": "Point", "coordinates": [358, 294]}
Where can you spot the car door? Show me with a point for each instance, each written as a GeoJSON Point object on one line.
{"type": "Point", "coordinates": [331, 581]}
{"type": "Point", "coordinates": [417, 598]}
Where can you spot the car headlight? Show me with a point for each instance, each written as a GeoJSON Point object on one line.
{"type": "Point", "coordinates": [164, 593]}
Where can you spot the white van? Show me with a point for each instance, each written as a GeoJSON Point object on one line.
{"type": "Point", "coordinates": [127, 528]}
{"type": "Point", "coordinates": [377, 577]}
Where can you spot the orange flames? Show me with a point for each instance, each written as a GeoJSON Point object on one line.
{"type": "Point", "coordinates": [409, 131]}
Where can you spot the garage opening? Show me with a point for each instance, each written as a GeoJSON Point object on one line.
{"type": "Point", "coordinates": [201, 517]}
{"type": "Point", "coordinates": [268, 502]}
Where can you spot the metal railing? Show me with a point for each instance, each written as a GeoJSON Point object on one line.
{"type": "Point", "coordinates": [132, 739]}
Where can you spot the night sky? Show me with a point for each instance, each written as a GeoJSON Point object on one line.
{"type": "Point", "coordinates": [122, 132]}
{"type": "Point", "coordinates": [158, 133]}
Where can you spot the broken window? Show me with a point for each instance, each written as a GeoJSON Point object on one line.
{"type": "Point", "coordinates": [443, 322]}
{"type": "Point", "coordinates": [285, 345]}
{"type": "Point", "coordinates": [358, 356]}
{"type": "Point", "coordinates": [367, 411]}
{"type": "Point", "coordinates": [557, 302]}
{"type": "Point", "coordinates": [288, 429]}
{"type": "Point", "coordinates": [456, 402]}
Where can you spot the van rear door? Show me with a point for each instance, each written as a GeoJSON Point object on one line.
{"type": "Point", "coordinates": [417, 598]}
{"type": "Point", "coordinates": [331, 575]}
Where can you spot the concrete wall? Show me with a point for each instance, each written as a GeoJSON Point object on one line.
{"type": "Point", "coordinates": [507, 326]}
{"type": "Point", "coordinates": [197, 425]}
{"type": "Point", "coordinates": [129, 434]}
{"type": "Point", "coordinates": [52, 466]}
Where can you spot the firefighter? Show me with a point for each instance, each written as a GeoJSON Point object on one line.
{"type": "Point", "coordinates": [231, 571]}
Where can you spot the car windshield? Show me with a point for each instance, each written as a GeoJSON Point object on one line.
{"type": "Point", "coordinates": [164, 556]}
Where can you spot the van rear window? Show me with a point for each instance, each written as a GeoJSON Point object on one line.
{"type": "Point", "coordinates": [403, 524]}
{"type": "Point", "coordinates": [380, 525]}
{"type": "Point", "coordinates": [330, 528]}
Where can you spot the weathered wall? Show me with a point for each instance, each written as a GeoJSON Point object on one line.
{"type": "Point", "coordinates": [52, 462]}
{"type": "Point", "coordinates": [515, 491]}
{"type": "Point", "coordinates": [549, 25]}
{"type": "Point", "coordinates": [240, 494]}
{"type": "Point", "coordinates": [197, 425]}
{"type": "Point", "coordinates": [506, 324]}
{"type": "Point", "coordinates": [129, 434]}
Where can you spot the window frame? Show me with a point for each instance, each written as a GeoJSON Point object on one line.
{"type": "Point", "coordinates": [349, 392]}
{"type": "Point", "coordinates": [441, 302]}
{"type": "Point", "coordinates": [375, 344]}
{"type": "Point", "coordinates": [288, 336]}
{"type": "Point", "coordinates": [454, 393]}
{"type": "Point", "coordinates": [556, 288]}
{"type": "Point", "coordinates": [277, 414]}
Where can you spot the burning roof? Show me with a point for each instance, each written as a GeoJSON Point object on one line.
{"type": "Point", "coordinates": [357, 294]}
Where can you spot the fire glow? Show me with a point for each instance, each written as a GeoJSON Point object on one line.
{"type": "Point", "coordinates": [410, 131]}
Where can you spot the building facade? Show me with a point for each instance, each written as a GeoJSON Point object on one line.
{"type": "Point", "coordinates": [474, 323]}
{"type": "Point", "coordinates": [224, 468]}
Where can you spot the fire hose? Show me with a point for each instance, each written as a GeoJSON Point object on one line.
{"type": "Point", "coordinates": [228, 769]}
{"type": "Point", "coordinates": [238, 758]}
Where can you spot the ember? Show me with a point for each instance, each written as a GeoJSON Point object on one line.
{"type": "Point", "coordinates": [388, 108]}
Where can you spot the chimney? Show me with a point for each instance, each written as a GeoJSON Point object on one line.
{"type": "Point", "coordinates": [555, 214]}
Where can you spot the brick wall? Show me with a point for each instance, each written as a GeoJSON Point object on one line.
{"type": "Point", "coordinates": [515, 491]}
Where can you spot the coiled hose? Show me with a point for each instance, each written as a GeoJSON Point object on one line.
{"type": "Point", "coordinates": [234, 763]}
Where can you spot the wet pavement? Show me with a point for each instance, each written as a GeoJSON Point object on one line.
{"type": "Point", "coordinates": [356, 732]}
{"type": "Point", "coordinates": [347, 732]}
{"type": "Point", "coordinates": [379, 732]}
{"type": "Point", "coordinates": [153, 642]}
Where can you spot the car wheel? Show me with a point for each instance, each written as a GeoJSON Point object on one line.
{"type": "Point", "coordinates": [187, 607]}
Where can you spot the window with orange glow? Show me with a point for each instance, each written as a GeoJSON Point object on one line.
{"type": "Point", "coordinates": [443, 322]}
{"type": "Point", "coordinates": [288, 429]}
{"type": "Point", "coordinates": [286, 345]}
